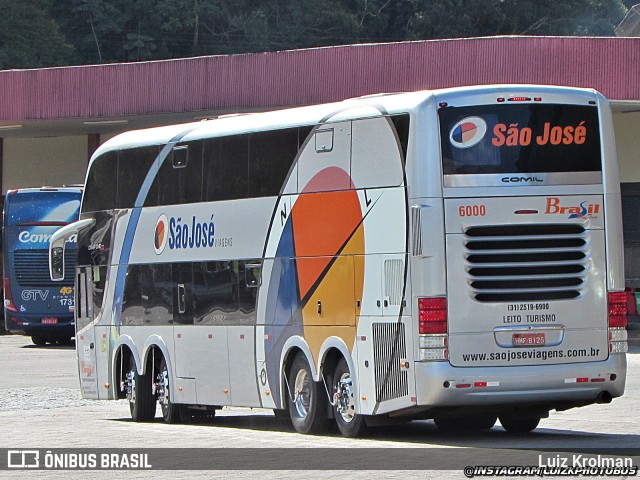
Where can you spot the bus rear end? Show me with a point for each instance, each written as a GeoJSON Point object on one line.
{"type": "Point", "coordinates": [35, 305]}
{"type": "Point", "coordinates": [534, 313]}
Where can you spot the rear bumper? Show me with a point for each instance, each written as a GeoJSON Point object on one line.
{"type": "Point", "coordinates": [438, 384]}
{"type": "Point", "coordinates": [28, 325]}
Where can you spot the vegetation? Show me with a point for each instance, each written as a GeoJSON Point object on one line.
{"type": "Point", "coordinates": [40, 33]}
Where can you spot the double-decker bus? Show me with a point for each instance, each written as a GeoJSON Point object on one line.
{"type": "Point", "coordinates": [35, 305]}
{"type": "Point", "coordinates": [453, 255]}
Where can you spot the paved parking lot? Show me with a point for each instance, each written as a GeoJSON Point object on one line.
{"type": "Point", "coordinates": [40, 407]}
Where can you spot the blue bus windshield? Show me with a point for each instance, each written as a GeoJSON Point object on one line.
{"type": "Point", "coordinates": [33, 208]}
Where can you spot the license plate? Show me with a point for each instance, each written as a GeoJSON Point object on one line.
{"type": "Point", "coordinates": [528, 339]}
{"type": "Point", "coordinates": [49, 321]}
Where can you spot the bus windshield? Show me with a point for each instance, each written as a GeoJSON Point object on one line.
{"type": "Point", "coordinates": [32, 208]}
{"type": "Point", "coordinates": [520, 138]}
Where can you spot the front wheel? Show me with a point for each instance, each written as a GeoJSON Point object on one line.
{"type": "Point", "coordinates": [142, 403]}
{"type": "Point", "coordinates": [307, 400]}
{"type": "Point", "coordinates": [350, 423]}
{"type": "Point", "coordinates": [519, 423]}
{"type": "Point", "coordinates": [170, 412]}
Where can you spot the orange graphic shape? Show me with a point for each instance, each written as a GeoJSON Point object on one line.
{"type": "Point", "coordinates": [338, 292]}
{"type": "Point", "coordinates": [322, 225]}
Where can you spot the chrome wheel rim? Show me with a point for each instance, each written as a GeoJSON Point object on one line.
{"type": "Point", "coordinates": [345, 406]}
{"type": "Point", "coordinates": [302, 393]}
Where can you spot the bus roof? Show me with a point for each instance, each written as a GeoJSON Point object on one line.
{"type": "Point", "coordinates": [66, 188]}
{"type": "Point", "coordinates": [360, 107]}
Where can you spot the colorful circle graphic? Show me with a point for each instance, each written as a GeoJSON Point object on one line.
{"type": "Point", "coordinates": [468, 132]}
{"type": "Point", "coordinates": [161, 234]}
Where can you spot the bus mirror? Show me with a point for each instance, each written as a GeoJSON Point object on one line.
{"type": "Point", "coordinates": [56, 263]}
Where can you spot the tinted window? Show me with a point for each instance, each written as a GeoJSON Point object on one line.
{"type": "Point", "coordinates": [226, 170]}
{"type": "Point", "coordinates": [133, 166]}
{"type": "Point", "coordinates": [180, 177]}
{"type": "Point", "coordinates": [100, 190]}
{"type": "Point", "coordinates": [215, 292]}
{"type": "Point", "coordinates": [148, 295]}
{"type": "Point", "coordinates": [271, 155]}
{"type": "Point", "coordinates": [94, 243]}
{"type": "Point", "coordinates": [523, 138]}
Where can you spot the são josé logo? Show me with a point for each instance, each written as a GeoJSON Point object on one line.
{"type": "Point", "coordinates": [160, 237]}
{"type": "Point", "coordinates": [467, 132]}
{"type": "Point", "coordinates": [187, 233]}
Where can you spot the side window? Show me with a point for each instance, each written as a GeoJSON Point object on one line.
{"type": "Point", "coordinates": [225, 168]}
{"type": "Point", "coordinates": [180, 177]}
{"type": "Point", "coordinates": [100, 190]}
{"type": "Point", "coordinates": [182, 293]}
{"type": "Point", "coordinates": [99, 279]}
{"type": "Point", "coordinates": [148, 293]}
{"type": "Point", "coordinates": [133, 166]}
{"type": "Point", "coordinates": [215, 292]}
{"type": "Point", "coordinates": [271, 155]}
{"type": "Point", "coordinates": [249, 282]}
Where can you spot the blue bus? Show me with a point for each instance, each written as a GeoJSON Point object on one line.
{"type": "Point", "coordinates": [34, 305]}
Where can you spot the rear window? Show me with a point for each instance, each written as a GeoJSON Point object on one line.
{"type": "Point", "coordinates": [27, 208]}
{"type": "Point", "coordinates": [522, 138]}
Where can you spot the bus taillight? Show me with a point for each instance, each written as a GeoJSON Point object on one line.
{"type": "Point", "coordinates": [618, 322]}
{"type": "Point", "coordinates": [617, 309]}
{"type": "Point", "coordinates": [433, 328]}
{"type": "Point", "coordinates": [8, 299]}
{"type": "Point", "coordinates": [433, 315]}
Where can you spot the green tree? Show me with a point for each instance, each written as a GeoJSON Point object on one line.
{"type": "Point", "coordinates": [468, 18]}
{"type": "Point", "coordinates": [29, 37]}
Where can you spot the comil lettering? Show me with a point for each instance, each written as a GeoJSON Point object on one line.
{"type": "Point", "coordinates": [514, 136]}
{"type": "Point", "coordinates": [28, 237]}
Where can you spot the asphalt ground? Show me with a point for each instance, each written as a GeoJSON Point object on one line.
{"type": "Point", "coordinates": [41, 408]}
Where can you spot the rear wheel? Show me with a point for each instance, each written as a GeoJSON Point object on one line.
{"type": "Point", "coordinates": [307, 400]}
{"type": "Point", "coordinates": [39, 340]}
{"type": "Point", "coordinates": [350, 423]}
{"type": "Point", "coordinates": [170, 412]}
{"type": "Point", "coordinates": [519, 423]}
{"type": "Point", "coordinates": [142, 403]}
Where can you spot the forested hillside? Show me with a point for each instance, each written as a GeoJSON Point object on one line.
{"type": "Point", "coordinates": [43, 33]}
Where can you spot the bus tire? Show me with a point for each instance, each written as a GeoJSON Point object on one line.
{"type": "Point", "coordinates": [39, 340]}
{"type": "Point", "coordinates": [519, 423]}
{"type": "Point", "coordinates": [171, 413]}
{"type": "Point", "coordinates": [142, 403]}
{"type": "Point", "coordinates": [350, 423]}
{"type": "Point", "coordinates": [307, 399]}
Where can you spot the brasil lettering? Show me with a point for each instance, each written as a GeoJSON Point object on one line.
{"type": "Point", "coordinates": [194, 234]}
{"type": "Point", "coordinates": [513, 136]}
{"type": "Point", "coordinates": [584, 210]}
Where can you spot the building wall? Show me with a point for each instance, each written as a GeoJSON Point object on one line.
{"type": "Point", "coordinates": [627, 129]}
{"type": "Point", "coordinates": [34, 162]}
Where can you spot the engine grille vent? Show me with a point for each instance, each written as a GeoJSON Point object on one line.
{"type": "Point", "coordinates": [511, 263]}
{"type": "Point", "coordinates": [389, 348]}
